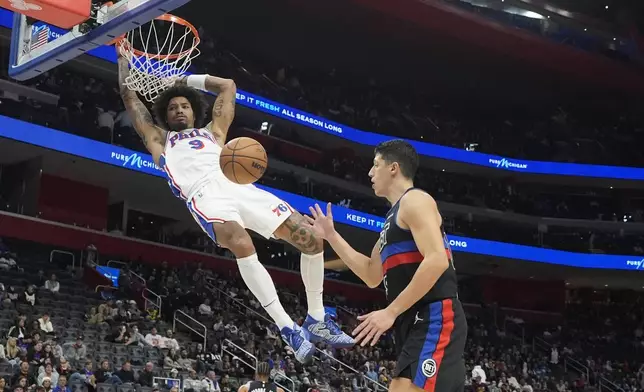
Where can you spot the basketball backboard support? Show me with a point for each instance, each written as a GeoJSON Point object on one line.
{"type": "Point", "coordinates": [35, 49]}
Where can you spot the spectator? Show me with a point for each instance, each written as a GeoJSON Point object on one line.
{"type": "Point", "coordinates": [478, 372]}
{"type": "Point", "coordinates": [45, 325]}
{"type": "Point", "coordinates": [105, 375]}
{"type": "Point", "coordinates": [49, 373]}
{"type": "Point", "coordinates": [86, 375]}
{"type": "Point", "coordinates": [53, 286]}
{"type": "Point", "coordinates": [136, 338]}
{"type": "Point", "coordinates": [11, 297]}
{"type": "Point", "coordinates": [146, 377]}
{"type": "Point", "coordinates": [94, 318]}
{"type": "Point", "coordinates": [210, 382]}
{"type": "Point", "coordinates": [3, 385]}
{"type": "Point", "coordinates": [76, 352]}
{"type": "Point", "coordinates": [125, 374]}
{"type": "Point", "coordinates": [35, 355]}
{"type": "Point", "coordinates": [170, 341]}
{"type": "Point", "coordinates": [204, 308]}
{"type": "Point", "coordinates": [62, 385]}
{"type": "Point", "coordinates": [23, 371]}
{"type": "Point", "coordinates": [40, 279]}
{"type": "Point", "coordinates": [154, 339]}
{"type": "Point", "coordinates": [23, 382]}
{"type": "Point", "coordinates": [29, 296]}
{"type": "Point", "coordinates": [184, 361]}
{"type": "Point", "coordinates": [4, 297]}
{"type": "Point", "coordinates": [18, 329]}
{"type": "Point", "coordinates": [192, 383]}
{"type": "Point", "coordinates": [12, 352]}
{"type": "Point", "coordinates": [64, 368]}
{"type": "Point", "coordinates": [171, 360]}
{"type": "Point", "coordinates": [119, 335]}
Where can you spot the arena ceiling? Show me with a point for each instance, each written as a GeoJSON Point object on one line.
{"type": "Point", "coordinates": [349, 36]}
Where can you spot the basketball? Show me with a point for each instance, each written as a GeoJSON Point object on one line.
{"type": "Point", "coordinates": [243, 160]}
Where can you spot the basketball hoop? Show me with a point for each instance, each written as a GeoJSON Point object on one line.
{"type": "Point", "coordinates": [155, 64]}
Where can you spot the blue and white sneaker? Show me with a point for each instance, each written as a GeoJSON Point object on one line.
{"type": "Point", "coordinates": [326, 331]}
{"type": "Point", "coordinates": [297, 340]}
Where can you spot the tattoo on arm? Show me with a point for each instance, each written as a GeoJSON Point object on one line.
{"type": "Point", "coordinates": [141, 117]}
{"type": "Point", "coordinates": [218, 108]}
{"type": "Point", "coordinates": [300, 235]}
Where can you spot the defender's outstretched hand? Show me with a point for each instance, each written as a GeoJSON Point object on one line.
{"type": "Point", "coordinates": [372, 326]}
{"type": "Point", "coordinates": [322, 224]}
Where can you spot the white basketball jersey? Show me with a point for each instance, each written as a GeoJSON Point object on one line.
{"type": "Point", "coordinates": [190, 159]}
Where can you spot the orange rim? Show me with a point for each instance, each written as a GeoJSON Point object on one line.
{"type": "Point", "coordinates": [167, 18]}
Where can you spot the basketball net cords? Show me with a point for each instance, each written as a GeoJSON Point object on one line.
{"type": "Point", "coordinates": [152, 73]}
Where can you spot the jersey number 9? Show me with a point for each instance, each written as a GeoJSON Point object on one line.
{"type": "Point", "coordinates": [196, 144]}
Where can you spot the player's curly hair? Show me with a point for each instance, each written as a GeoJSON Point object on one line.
{"type": "Point", "coordinates": [196, 99]}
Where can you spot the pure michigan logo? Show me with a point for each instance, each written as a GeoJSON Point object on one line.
{"type": "Point", "coordinates": [134, 161]}
{"type": "Point", "coordinates": [638, 264]}
{"type": "Point", "coordinates": [505, 164]}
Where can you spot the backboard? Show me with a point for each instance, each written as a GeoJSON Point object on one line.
{"type": "Point", "coordinates": [37, 47]}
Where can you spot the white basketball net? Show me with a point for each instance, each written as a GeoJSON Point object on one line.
{"type": "Point", "coordinates": [156, 64]}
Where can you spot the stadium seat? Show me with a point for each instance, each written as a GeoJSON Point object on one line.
{"type": "Point", "coordinates": [125, 388]}
{"type": "Point", "coordinates": [105, 388]}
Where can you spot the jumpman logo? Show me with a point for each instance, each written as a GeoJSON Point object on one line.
{"type": "Point", "coordinates": [417, 319]}
{"type": "Point", "coordinates": [22, 5]}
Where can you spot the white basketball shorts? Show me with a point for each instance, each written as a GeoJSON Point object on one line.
{"type": "Point", "coordinates": [220, 200]}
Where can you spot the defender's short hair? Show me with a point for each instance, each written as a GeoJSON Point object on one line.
{"type": "Point", "coordinates": [402, 152]}
{"type": "Point", "coordinates": [263, 369]}
{"type": "Point", "coordinates": [194, 96]}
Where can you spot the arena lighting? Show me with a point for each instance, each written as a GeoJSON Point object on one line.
{"type": "Point", "coordinates": [122, 157]}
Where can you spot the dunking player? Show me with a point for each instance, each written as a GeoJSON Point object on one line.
{"type": "Point", "coordinates": [414, 261]}
{"type": "Point", "coordinates": [261, 383]}
{"type": "Point", "coordinates": [190, 158]}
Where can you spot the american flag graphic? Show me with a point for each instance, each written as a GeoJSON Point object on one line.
{"type": "Point", "coordinates": [39, 37]}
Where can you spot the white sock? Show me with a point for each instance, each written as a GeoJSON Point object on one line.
{"type": "Point", "coordinates": [312, 268]}
{"type": "Point", "coordinates": [260, 283]}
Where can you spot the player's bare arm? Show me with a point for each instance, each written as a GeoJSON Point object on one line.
{"type": "Point", "coordinates": [429, 240]}
{"type": "Point", "coordinates": [335, 265]}
{"type": "Point", "coordinates": [223, 111]}
{"type": "Point", "coordinates": [152, 136]}
{"type": "Point", "coordinates": [243, 388]}
{"type": "Point", "coordinates": [425, 228]}
{"type": "Point", "coordinates": [368, 269]}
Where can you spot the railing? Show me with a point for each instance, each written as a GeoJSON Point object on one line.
{"type": "Point", "coordinates": [103, 286]}
{"type": "Point", "coordinates": [196, 327]}
{"type": "Point", "coordinates": [572, 363]}
{"type": "Point", "coordinates": [607, 385]}
{"type": "Point", "coordinates": [62, 252]}
{"type": "Point", "coordinates": [569, 362]}
{"type": "Point", "coordinates": [134, 276]}
{"type": "Point", "coordinates": [151, 299]}
{"type": "Point", "coordinates": [115, 262]}
{"type": "Point", "coordinates": [215, 290]}
{"type": "Point", "coordinates": [225, 349]}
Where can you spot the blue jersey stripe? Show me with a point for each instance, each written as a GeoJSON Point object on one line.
{"type": "Point", "coordinates": [431, 340]}
{"type": "Point", "coordinates": [205, 225]}
{"type": "Point", "coordinates": [398, 247]}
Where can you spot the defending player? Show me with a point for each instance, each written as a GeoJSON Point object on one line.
{"type": "Point", "coordinates": [190, 158]}
{"type": "Point", "coordinates": [261, 383]}
{"type": "Point", "coordinates": [414, 261]}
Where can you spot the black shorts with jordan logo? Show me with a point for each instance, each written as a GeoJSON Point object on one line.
{"type": "Point", "coordinates": [430, 340]}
